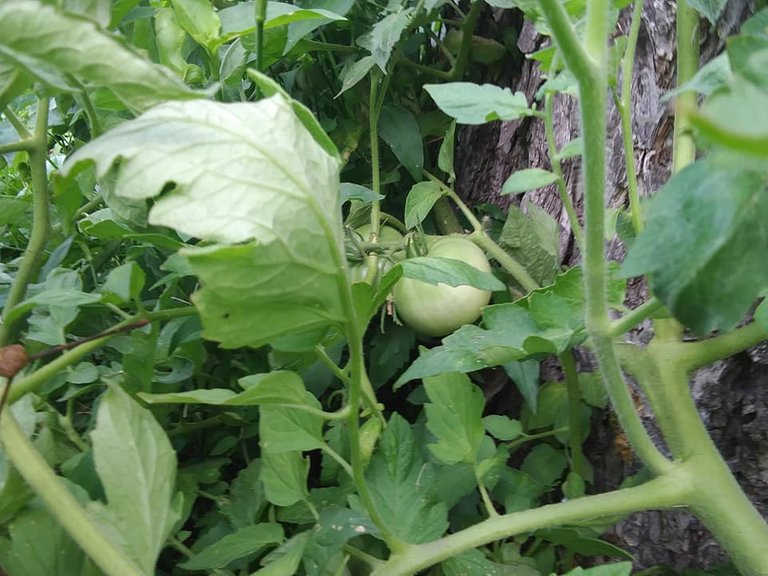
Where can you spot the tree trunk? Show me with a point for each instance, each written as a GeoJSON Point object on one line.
{"type": "Point", "coordinates": [732, 396]}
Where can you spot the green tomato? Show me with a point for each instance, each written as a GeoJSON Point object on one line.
{"type": "Point", "coordinates": [437, 310]}
{"type": "Point", "coordinates": [387, 237]}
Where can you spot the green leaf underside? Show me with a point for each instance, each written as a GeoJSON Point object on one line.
{"type": "Point", "coordinates": [477, 104]}
{"type": "Point", "coordinates": [284, 429]}
{"type": "Point", "coordinates": [705, 244]}
{"type": "Point", "coordinates": [241, 172]}
{"type": "Point", "coordinates": [438, 270]}
{"type": "Point", "coordinates": [402, 486]}
{"type": "Point", "coordinates": [76, 48]}
{"type": "Point", "coordinates": [137, 468]}
{"type": "Point", "coordinates": [382, 38]}
{"type": "Point", "coordinates": [244, 542]}
{"type": "Point", "coordinates": [335, 527]}
{"type": "Point", "coordinates": [454, 417]}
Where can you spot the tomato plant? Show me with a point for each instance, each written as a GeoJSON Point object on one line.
{"type": "Point", "coordinates": [437, 310]}
{"type": "Point", "coordinates": [198, 388]}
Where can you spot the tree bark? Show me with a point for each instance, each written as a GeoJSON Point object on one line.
{"type": "Point", "coordinates": [732, 396]}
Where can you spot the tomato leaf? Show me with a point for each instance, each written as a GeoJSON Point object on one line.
{"type": "Point", "coordinates": [502, 427]}
{"type": "Point", "coordinates": [284, 196]}
{"type": "Point", "coordinates": [472, 563]}
{"type": "Point", "coordinates": [704, 244]}
{"type": "Point", "coordinates": [710, 9]}
{"type": "Point", "coordinates": [137, 467]}
{"type": "Point", "coordinates": [37, 544]}
{"type": "Point", "coordinates": [477, 104]}
{"type": "Point", "coordinates": [284, 476]}
{"type": "Point", "coordinates": [335, 527]}
{"type": "Point", "coordinates": [244, 542]}
{"type": "Point", "coordinates": [533, 238]}
{"type": "Point", "coordinates": [76, 48]}
{"type": "Point", "coordinates": [454, 417]}
{"type": "Point", "coordinates": [419, 202]}
{"type": "Point", "coordinates": [285, 560]}
{"type": "Point", "coordinates": [399, 129]}
{"type": "Point", "coordinates": [528, 179]}
{"type": "Point", "coordinates": [525, 375]}
{"type": "Point", "coordinates": [402, 488]}
{"type": "Point", "coordinates": [199, 19]}
{"type": "Point", "coordinates": [438, 270]}
{"type": "Point", "coordinates": [382, 38]}
{"type": "Point", "coordinates": [283, 428]}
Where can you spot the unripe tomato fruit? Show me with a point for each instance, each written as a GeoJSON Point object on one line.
{"type": "Point", "coordinates": [437, 310]}
{"type": "Point", "coordinates": [387, 236]}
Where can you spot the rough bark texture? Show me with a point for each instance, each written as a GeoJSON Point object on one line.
{"type": "Point", "coordinates": [732, 396]}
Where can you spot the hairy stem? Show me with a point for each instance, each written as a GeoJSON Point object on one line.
{"type": "Point", "coordinates": [40, 221]}
{"type": "Point", "coordinates": [663, 492]}
{"type": "Point", "coordinates": [633, 318]}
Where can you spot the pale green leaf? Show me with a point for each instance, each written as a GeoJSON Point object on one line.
{"type": "Point", "coordinates": [477, 104]}
{"type": "Point", "coordinates": [76, 48]}
{"type": "Point", "coordinates": [137, 468]}
{"type": "Point", "coordinates": [419, 202]}
{"type": "Point", "coordinates": [528, 179]}
{"type": "Point", "coordinates": [283, 428]}
{"type": "Point", "coordinates": [533, 238]}
{"type": "Point", "coordinates": [761, 314]}
{"type": "Point", "coordinates": [454, 417]}
{"type": "Point", "coordinates": [351, 191]}
{"type": "Point", "coordinates": [285, 477]}
{"type": "Point", "coordinates": [335, 527]}
{"type": "Point", "coordinates": [283, 194]}
{"type": "Point", "coordinates": [446, 155]}
{"type": "Point", "coordinates": [472, 563]}
{"type": "Point", "coordinates": [244, 542]}
{"type": "Point", "coordinates": [502, 427]}
{"type": "Point", "coordinates": [199, 19]}
{"type": "Point", "coordinates": [438, 270]}
{"type": "Point", "coordinates": [356, 72]}
{"type": "Point", "coordinates": [285, 560]}
{"type": "Point", "coordinates": [124, 283]}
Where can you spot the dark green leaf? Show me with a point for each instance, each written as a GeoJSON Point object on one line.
{"type": "Point", "coordinates": [335, 527]}
{"type": "Point", "coordinates": [285, 560]}
{"type": "Point", "coordinates": [419, 202]}
{"type": "Point", "coordinates": [761, 314]}
{"type": "Point", "coordinates": [356, 72]}
{"type": "Point", "coordinates": [137, 467]}
{"type": "Point", "coordinates": [454, 417]}
{"type": "Point", "coordinates": [401, 486]}
{"type": "Point", "coordinates": [12, 209]}
{"type": "Point", "coordinates": [477, 104]}
{"type": "Point", "coordinates": [399, 129]}
{"type": "Point", "coordinates": [525, 375]}
{"type": "Point", "coordinates": [748, 55]}
{"type": "Point", "coordinates": [246, 500]}
{"type": "Point", "coordinates": [528, 179]}
{"type": "Point", "coordinates": [351, 191]}
{"type": "Point", "coordinates": [710, 9]}
{"type": "Point", "coordinates": [545, 464]}
{"type": "Point", "coordinates": [710, 77]}
{"type": "Point", "coordinates": [244, 542]}
{"type": "Point", "coordinates": [438, 270]}
{"type": "Point", "coordinates": [75, 47]}
{"type": "Point", "coordinates": [705, 243]}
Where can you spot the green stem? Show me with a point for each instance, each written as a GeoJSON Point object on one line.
{"type": "Point", "coordinates": [624, 106]}
{"type": "Point", "coordinates": [576, 57]}
{"type": "Point", "coordinates": [694, 355]}
{"type": "Point", "coordinates": [486, 498]}
{"type": "Point", "coordinates": [445, 219]}
{"type": "Point", "coordinates": [36, 472]}
{"type": "Point", "coordinates": [339, 460]}
{"type": "Point", "coordinates": [557, 169]}
{"type": "Point", "coordinates": [633, 318]}
{"type": "Point", "coordinates": [660, 493]}
{"type": "Point", "coordinates": [24, 145]}
{"type": "Point", "coordinates": [17, 124]}
{"type": "Point", "coordinates": [465, 50]}
{"type": "Point", "coordinates": [578, 460]}
{"type": "Point", "coordinates": [260, 16]}
{"type": "Point", "coordinates": [591, 75]}
{"type": "Point", "coordinates": [40, 220]}
{"type": "Point", "coordinates": [684, 149]}
{"type": "Point", "coordinates": [375, 99]}
{"type": "Point", "coordinates": [322, 355]}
